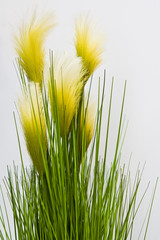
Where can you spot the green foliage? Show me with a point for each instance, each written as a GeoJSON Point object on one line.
{"type": "Point", "coordinates": [69, 193]}
{"type": "Point", "coordinates": [69, 200]}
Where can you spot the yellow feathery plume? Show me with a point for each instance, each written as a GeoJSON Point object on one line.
{"type": "Point", "coordinates": [34, 126]}
{"type": "Point", "coordinates": [87, 124]}
{"type": "Point", "coordinates": [88, 44]}
{"type": "Point", "coordinates": [68, 88]}
{"type": "Point", "coordinates": [29, 46]}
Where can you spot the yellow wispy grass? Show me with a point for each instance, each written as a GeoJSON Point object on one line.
{"type": "Point", "coordinates": [29, 45]}
{"type": "Point", "coordinates": [68, 88]}
{"type": "Point", "coordinates": [87, 125]}
{"type": "Point", "coordinates": [34, 126]}
{"type": "Point", "coordinates": [88, 44]}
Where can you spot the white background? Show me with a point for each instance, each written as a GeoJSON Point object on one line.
{"type": "Point", "coordinates": [132, 52]}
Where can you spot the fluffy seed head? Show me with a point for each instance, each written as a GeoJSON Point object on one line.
{"type": "Point", "coordinates": [29, 46]}
{"type": "Point", "coordinates": [88, 44]}
{"type": "Point", "coordinates": [34, 126]}
{"type": "Point", "coordinates": [87, 125]}
{"type": "Point", "coordinates": [68, 88]}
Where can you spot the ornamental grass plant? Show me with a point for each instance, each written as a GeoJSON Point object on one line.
{"type": "Point", "coordinates": [68, 192]}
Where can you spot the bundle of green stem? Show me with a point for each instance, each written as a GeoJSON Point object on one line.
{"type": "Point", "coordinates": [60, 196]}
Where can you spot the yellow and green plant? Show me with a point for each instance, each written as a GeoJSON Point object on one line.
{"type": "Point", "coordinates": [69, 192]}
